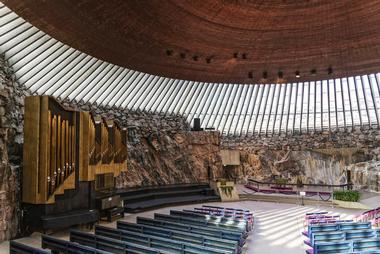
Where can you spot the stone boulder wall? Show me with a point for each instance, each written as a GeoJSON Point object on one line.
{"type": "Point", "coordinates": [173, 158]}
{"type": "Point", "coordinates": [319, 158]}
{"type": "Point", "coordinates": [366, 175]}
{"type": "Point", "coordinates": [11, 140]}
{"type": "Point", "coordinates": [161, 148]}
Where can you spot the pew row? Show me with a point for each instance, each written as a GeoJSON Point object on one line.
{"type": "Point", "coordinates": [19, 248]}
{"type": "Point", "coordinates": [202, 223]}
{"type": "Point", "coordinates": [342, 236]}
{"type": "Point", "coordinates": [354, 246]}
{"type": "Point", "coordinates": [222, 234]}
{"type": "Point", "coordinates": [220, 220]}
{"type": "Point", "coordinates": [157, 241]}
{"type": "Point", "coordinates": [337, 227]}
{"type": "Point", "coordinates": [208, 241]}
{"type": "Point", "coordinates": [61, 246]}
{"type": "Point", "coordinates": [143, 245]}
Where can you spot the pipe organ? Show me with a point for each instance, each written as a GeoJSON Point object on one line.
{"type": "Point", "coordinates": [63, 147]}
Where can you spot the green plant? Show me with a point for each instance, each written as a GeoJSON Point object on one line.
{"type": "Point", "coordinates": [347, 195]}
{"type": "Point", "coordinates": [281, 181]}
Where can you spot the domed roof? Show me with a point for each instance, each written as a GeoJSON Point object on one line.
{"type": "Point", "coordinates": [47, 66]}
{"type": "Point", "coordinates": [227, 41]}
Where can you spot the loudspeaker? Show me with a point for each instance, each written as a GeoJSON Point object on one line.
{"type": "Point", "coordinates": [197, 124]}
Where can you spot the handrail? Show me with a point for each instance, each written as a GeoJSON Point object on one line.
{"type": "Point", "coordinates": [304, 184]}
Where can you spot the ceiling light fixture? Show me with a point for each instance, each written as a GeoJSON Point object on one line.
{"type": "Point", "coordinates": [265, 74]}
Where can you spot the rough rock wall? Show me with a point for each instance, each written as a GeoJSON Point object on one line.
{"type": "Point", "coordinates": [315, 158]}
{"type": "Point", "coordinates": [161, 149]}
{"type": "Point", "coordinates": [11, 140]}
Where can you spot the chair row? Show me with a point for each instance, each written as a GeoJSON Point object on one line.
{"type": "Point", "coordinates": [233, 223]}
{"type": "Point", "coordinates": [179, 232]}
{"type": "Point", "coordinates": [204, 240]}
{"type": "Point", "coordinates": [342, 237]}
{"type": "Point", "coordinates": [360, 246]}
{"type": "Point", "coordinates": [340, 226]}
{"type": "Point", "coordinates": [318, 237]}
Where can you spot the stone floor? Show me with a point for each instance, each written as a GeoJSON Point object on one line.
{"type": "Point", "coordinates": [277, 226]}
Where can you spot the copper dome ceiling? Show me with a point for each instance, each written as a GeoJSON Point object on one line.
{"type": "Point", "coordinates": [230, 41]}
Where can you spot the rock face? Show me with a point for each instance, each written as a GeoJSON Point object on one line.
{"type": "Point", "coordinates": [161, 149]}
{"type": "Point", "coordinates": [11, 140]}
{"type": "Point", "coordinates": [172, 158]}
{"type": "Point", "coordinates": [319, 158]}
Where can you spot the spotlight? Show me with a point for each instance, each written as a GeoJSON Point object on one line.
{"type": "Point", "coordinates": [195, 58]}
{"type": "Point", "coordinates": [313, 72]}
{"type": "Point", "coordinates": [280, 74]}
{"type": "Point", "coordinates": [250, 74]}
{"type": "Point", "coordinates": [298, 75]}
{"type": "Point", "coordinates": [265, 74]}
{"type": "Point", "coordinates": [330, 70]}
{"type": "Point", "coordinates": [169, 52]}
{"type": "Point", "coordinates": [236, 55]}
{"type": "Point", "coordinates": [182, 55]}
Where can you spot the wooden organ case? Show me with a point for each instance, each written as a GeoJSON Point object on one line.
{"type": "Point", "coordinates": [64, 152]}
{"type": "Point", "coordinates": [50, 150]}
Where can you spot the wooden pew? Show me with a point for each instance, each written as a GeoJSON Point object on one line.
{"type": "Point", "coordinates": [61, 246]}
{"type": "Point", "coordinates": [209, 241]}
{"type": "Point", "coordinates": [232, 222]}
{"type": "Point", "coordinates": [342, 236]}
{"type": "Point", "coordinates": [244, 214]}
{"type": "Point", "coordinates": [19, 248]}
{"type": "Point", "coordinates": [204, 223]}
{"type": "Point", "coordinates": [222, 234]}
{"type": "Point", "coordinates": [338, 227]}
{"type": "Point", "coordinates": [354, 246]}
{"type": "Point", "coordinates": [111, 245]}
{"type": "Point", "coordinates": [158, 242]}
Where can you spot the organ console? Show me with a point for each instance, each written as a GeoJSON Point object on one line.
{"type": "Point", "coordinates": [63, 147]}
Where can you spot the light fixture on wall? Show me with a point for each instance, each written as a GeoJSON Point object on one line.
{"type": "Point", "coordinates": [298, 74]}
{"type": "Point", "coordinates": [280, 74]}
{"type": "Point", "coordinates": [265, 74]}
{"type": "Point", "coordinates": [329, 70]}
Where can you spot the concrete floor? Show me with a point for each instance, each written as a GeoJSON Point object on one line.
{"type": "Point", "coordinates": [277, 229]}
